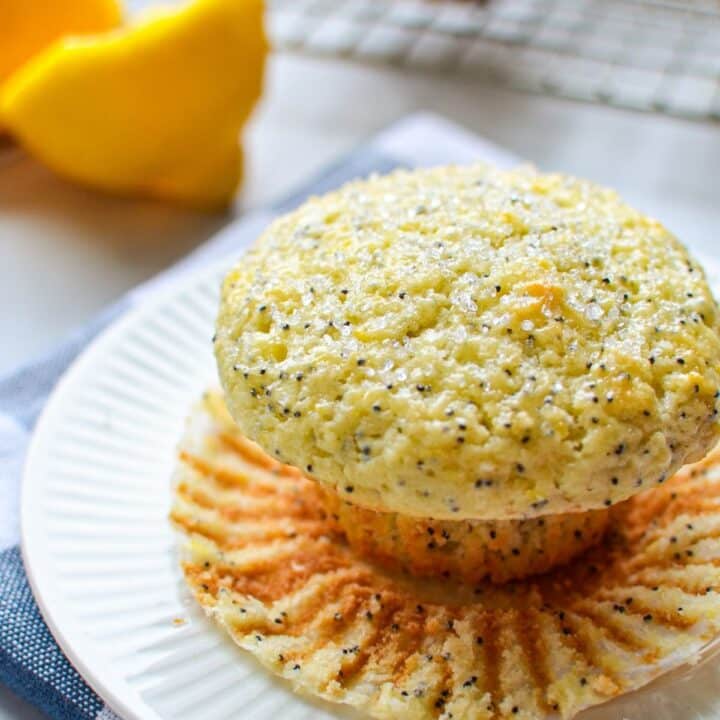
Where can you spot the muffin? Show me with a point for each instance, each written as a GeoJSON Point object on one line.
{"type": "Point", "coordinates": [465, 343]}
{"type": "Point", "coordinates": [437, 384]}
{"type": "Point", "coordinates": [271, 568]}
{"type": "Point", "coordinates": [471, 551]}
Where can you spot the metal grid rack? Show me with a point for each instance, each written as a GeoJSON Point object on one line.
{"type": "Point", "coordinates": [642, 54]}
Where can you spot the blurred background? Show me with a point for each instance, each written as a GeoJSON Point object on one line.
{"type": "Point", "coordinates": [623, 92]}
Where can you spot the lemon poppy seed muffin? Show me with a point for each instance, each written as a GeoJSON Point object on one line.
{"type": "Point", "coordinates": [465, 342]}
{"type": "Point", "coordinates": [469, 551]}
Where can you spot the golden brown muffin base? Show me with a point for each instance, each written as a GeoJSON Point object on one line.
{"type": "Point", "coordinates": [268, 564]}
{"type": "Point", "coordinates": [467, 550]}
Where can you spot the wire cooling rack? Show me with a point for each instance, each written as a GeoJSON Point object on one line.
{"type": "Point", "coordinates": [641, 54]}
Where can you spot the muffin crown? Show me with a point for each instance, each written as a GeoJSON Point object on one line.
{"type": "Point", "coordinates": [464, 342]}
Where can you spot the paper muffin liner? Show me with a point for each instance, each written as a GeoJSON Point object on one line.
{"type": "Point", "coordinates": [266, 561]}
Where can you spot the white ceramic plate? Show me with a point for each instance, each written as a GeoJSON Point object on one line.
{"type": "Point", "coordinates": [102, 558]}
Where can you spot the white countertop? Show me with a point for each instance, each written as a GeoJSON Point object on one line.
{"type": "Point", "coordinates": [67, 252]}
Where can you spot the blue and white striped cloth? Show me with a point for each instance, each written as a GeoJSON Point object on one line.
{"type": "Point", "coordinates": [31, 663]}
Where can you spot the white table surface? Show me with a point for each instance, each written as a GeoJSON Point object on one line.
{"type": "Point", "coordinates": [66, 252]}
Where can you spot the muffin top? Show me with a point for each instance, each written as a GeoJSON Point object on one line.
{"type": "Point", "coordinates": [464, 342]}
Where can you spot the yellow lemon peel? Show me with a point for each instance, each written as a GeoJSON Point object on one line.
{"type": "Point", "coordinates": [153, 109]}
{"type": "Point", "coordinates": [28, 27]}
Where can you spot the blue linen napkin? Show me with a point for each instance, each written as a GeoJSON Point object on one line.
{"type": "Point", "coordinates": [31, 663]}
